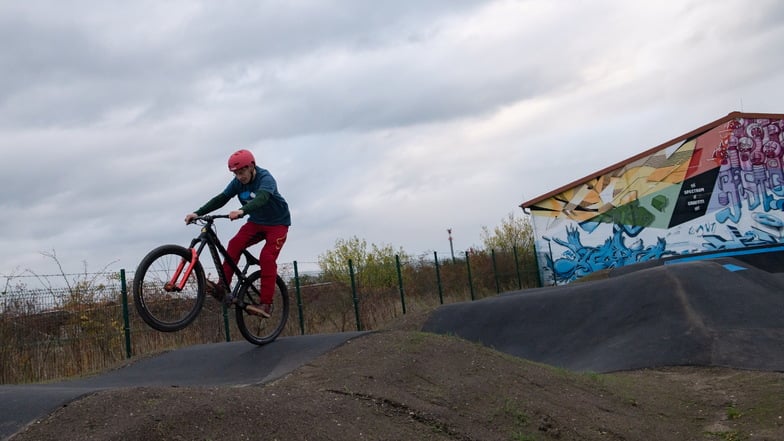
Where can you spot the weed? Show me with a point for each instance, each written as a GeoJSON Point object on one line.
{"type": "Point", "coordinates": [733, 413]}
{"type": "Point", "coordinates": [521, 420]}
{"type": "Point", "coordinates": [731, 435]}
{"type": "Point", "coordinates": [593, 376]}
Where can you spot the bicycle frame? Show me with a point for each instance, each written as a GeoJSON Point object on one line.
{"type": "Point", "coordinates": [209, 238]}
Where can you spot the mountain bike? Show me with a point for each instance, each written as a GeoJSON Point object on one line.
{"type": "Point", "coordinates": [169, 287]}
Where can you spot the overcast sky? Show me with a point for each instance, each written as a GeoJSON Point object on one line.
{"type": "Point", "coordinates": [389, 121]}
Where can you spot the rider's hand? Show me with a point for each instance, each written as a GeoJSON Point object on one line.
{"type": "Point", "coordinates": [190, 217]}
{"type": "Point", "coordinates": [236, 214]}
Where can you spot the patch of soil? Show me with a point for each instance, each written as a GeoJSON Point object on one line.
{"type": "Point", "coordinates": [402, 384]}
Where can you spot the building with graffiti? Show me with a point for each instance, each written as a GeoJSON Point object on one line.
{"type": "Point", "coordinates": [718, 187]}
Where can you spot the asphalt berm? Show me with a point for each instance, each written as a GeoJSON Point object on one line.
{"type": "Point", "coordinates": [721, 312]}
{"type": "Point", "coordinates": [687, 350]}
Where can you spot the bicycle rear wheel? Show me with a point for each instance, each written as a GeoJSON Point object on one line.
{"type": "Point", "coordinates": [165, 307]}
{"type": "Point", "coordinates": [259, 330]}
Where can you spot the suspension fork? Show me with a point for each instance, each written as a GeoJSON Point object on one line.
{"type": "Point", "coordinates": [173, 284]}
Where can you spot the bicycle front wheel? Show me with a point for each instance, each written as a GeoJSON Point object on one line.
{"type": "Point", "coordinates": [259, 330]}
{"type": "Point", "coordinates": [164, 298]}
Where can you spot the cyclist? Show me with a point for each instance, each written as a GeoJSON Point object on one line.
{"type": "Point", "coordinates": [269, 220]}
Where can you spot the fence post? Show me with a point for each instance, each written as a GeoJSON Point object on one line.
{"type": "Point", "coordinates": [354, 294]}
{"type": "Point", "coordinates": [517, 268]}
{"type": "Point", "coordinates": [550, 247]}
{"type": "Point", "coordinates": [470, 280]}
{"type": "Point", "coordinates": [226, 327]}
{"type": "Point", "coordinates": [438, 280]}
{"type": "Point", "coordinates": [495, 273]}
{"type": "Point", "coordinates": [126, 318]}
{"type": "Point", "coordinates": [299, 300]}
{"type": "Point", "coordinates": [400, 283]}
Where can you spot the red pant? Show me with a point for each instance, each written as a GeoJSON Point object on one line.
{"type": "Point", "coordinates": [251, 234]}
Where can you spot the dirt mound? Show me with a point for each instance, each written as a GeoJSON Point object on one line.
{"type": "Point", "coordinates": [402, 384]}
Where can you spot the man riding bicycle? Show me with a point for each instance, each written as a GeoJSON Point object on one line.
{"type": "Point", "coordinates": [269, 220]}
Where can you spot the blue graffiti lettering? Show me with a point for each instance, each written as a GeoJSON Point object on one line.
{"type": "Point", "coordinates": [701, 229]}
{"type": "Point", "coordinates": [579, 260]}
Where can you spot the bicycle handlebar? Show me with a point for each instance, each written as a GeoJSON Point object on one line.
{"type": "Point", "coordinates": [208, 218]}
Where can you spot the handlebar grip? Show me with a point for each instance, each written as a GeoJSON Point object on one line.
{"type": "Point", "coordinates": [208, 217]}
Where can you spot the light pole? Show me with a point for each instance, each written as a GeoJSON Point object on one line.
{"type": "Point", "coordinates": [451, 248]}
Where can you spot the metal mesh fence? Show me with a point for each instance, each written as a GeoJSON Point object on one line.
{"type": "Point", "coordinates": [57, 332]}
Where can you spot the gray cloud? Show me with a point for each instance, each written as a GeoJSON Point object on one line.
{"type": "Point", "coordinates": [387, 121]}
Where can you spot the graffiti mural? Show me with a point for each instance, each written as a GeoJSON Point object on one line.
{"type": "Point", "coordinates": [722, 188]}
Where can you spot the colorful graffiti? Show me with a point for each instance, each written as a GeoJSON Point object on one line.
{"type": "Point", "coordinates": [720, 189]}
{"type": "Point", "coordinates": [579, 260]}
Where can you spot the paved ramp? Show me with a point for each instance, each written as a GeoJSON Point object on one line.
{"type": "Point", "coordinates": [716, 312]}
{"type": "Point", "coordinates": [238, 363]}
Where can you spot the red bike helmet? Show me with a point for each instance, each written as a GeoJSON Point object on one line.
{"type": "Point", "coordinates": [241, 158]}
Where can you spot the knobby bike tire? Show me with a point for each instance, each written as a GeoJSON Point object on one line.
{"type": "Point", "coordinates": [255, 329]}
{"type": "Point", "coordinates": [163, 309]}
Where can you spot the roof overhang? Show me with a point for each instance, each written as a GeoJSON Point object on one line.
{"type": "Point", "coordinates": [731, 116]}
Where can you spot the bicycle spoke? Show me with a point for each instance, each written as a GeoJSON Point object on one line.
{"type": "Point", "coordinates": [162, 304]}
{"type": "Point", "coordinates": [260, 330]}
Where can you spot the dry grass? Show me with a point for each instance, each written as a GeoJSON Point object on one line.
{"type": "Point", "coordinates": [79, 335]}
